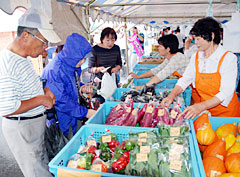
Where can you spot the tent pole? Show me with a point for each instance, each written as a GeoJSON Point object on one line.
{"type": "Point", "coordinates": [87, 13]}
{"type": "Point", "coordinates": [126, 42]}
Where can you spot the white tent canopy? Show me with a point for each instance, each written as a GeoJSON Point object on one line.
{"type": "Point", "coordinates": [72, 15]}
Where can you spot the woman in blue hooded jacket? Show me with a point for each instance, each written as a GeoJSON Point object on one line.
{"type": "Point", "coordinates": [60, 76]}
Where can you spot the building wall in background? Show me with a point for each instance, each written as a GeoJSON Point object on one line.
{"type": "Point", "coordinates": [6, 38]}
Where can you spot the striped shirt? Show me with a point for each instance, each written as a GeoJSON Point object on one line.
{"type": "Point", "coordinates": [18, 82]}
{"type": "Point", "coordinates": [177, 63]}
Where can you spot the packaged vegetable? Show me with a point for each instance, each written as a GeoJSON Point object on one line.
{"type": "Point", "coordinates": [148, 116]}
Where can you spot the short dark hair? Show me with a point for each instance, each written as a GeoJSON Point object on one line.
{"type": "Point", "coordinates": [205, 27]}
{"type": "Point", "coordinates": [178, 29]}
{"type": "Point", "coordinates": [22, 29]}
{"type": "Point", "coordinates": [170, 41]}
{"type": "Point", "coordinates": [108, 31]}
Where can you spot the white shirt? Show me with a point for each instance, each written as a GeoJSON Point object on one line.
{"type": "Point", "coordinates": [180, 37]}
{"type": "Point", "coordinates": [18, 82]}
{"type": "Point", "coordinates": [228, 72]}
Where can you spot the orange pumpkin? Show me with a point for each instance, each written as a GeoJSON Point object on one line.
{"type": "Point", "coordinates": [200, 121]}
{"type": "Point", "coordinates": [232, 163]}
{"type": "Point", "coordinates": [202, 147]}
{"type": "Point", "coordinates": [230, 175]}
{"type": "Point", "coordinates": [205, 135]}
{"type": "Point", "coordinates": [216, 149]}
{"type": "Point", "coordinates": [213, 165]}
{"type": "Point", "coordinates": [226, 129]}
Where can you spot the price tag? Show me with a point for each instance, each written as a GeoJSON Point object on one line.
{"type": "Point", "coordinates": [142, 135]}
{"type": "Point", "coordinates": [142, 157]}
{"type": "Point", "coordinates": [144, 149]}
{"type": "Point", "coordinates": [177, 147]}
{"type": "Point", "coordinates": [175, 165]}
{"type": "Point", "coordinates": [97, 167]}
{"type": "Point", "coordinates": [173, 114]}
{"type": "Point", "coordinates": [160, 112]}
{"type": "Point", "coordinates": [215, 173]}
{"type": "Point", "coordinates": [174, 155]}
{"type": "Point", "coordinates": [106, 139]}
{"type": "Point", "coordinates": [149, 109]}
{"type": "Point", "coordinates": [129, 109]}
{"type": "Point", "coordinates": [91, 142]}
{"type": "Point", "coordinates": [174, 131]}
{"type": "Point", "coordinates": [134, 111]}
{"type": "Point", "coordinates": [142, 140]}
{"type": "Point", "coordinates": [118, 107]}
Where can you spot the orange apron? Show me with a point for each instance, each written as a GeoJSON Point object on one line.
{"type": "Point", "coordinates": [208, 85]}
{"type": "Point", "coordinates": [177, 74]}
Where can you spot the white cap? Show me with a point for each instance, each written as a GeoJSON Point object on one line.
{"type": "Point", "coordinates": [33, 18]}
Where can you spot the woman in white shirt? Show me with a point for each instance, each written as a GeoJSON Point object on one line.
{"type": "Point", "coordinates": [212, 71]}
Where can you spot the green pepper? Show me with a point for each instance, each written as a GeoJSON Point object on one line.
{"type": "Point", "coordinates": [89, 157]}
{"type": "Point", "coordinates": [105, 156]}
{"type": "Point", "coordinates": [129, 145]}
{"type": "Point", "coordinates": [104, 147]}
{"type": "Point", "coordinates": [119, 150]}
{"type": "Point", "coordinates": [113, 136]}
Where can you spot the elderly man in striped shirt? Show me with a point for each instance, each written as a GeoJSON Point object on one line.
{"type": "Point", "coordinates": [22, 99]}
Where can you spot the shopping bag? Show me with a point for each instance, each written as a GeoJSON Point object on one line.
{"type": "Point", "coordinates": [54, 137]}
{"type": "Point", "coordinates": [108, 85]}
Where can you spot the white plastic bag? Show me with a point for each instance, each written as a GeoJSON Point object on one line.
{"type": "Point", "coordinates": [108, 85]}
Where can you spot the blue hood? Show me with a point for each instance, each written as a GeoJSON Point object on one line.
{"type": "Point", "coordinates": [75, 49]}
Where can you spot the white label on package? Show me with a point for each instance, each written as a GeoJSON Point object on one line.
{"type": "Point", "coordinates": [91, 142]}
{"type": "Point", "coordinates": [160, 112]}
{"type": "Point", "coordinates": [175, 165]}
{"type": "Point", "coordinates": [106, 139]}
{"type": "Point", "coordinates": [144, 149]}
{"type": "Point", "coordinates": [175, 131]}
{"type": "Point", "coordinates": [142, 157]}
{"type": "Point", "coordinates": [142, 135]}
{"type": "Point", "coordinates": [173, 114]}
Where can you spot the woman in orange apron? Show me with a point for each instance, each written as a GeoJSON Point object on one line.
{"type": "Point", "coordinates": [174, 64]}
{"type": "Point", "coordinates": [209, 74]}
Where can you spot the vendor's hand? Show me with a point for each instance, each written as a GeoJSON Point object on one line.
{"type": "Point", "coordinates": [87, 89]}
{"type": "Point", "coordinates": [193, 111]}
{"type": "Point", "coordinates": [49, 93]}
{"type": "Point", "coordinates": [90, 113]}
{"type": "Point", "coordinates": [135, 76]}
{"type": "Point", "coordinates": [139, 87]}
{"type": "Point", "coordinates": [166, 102]}
{"type": "Point", "coordinates": [115, 70]}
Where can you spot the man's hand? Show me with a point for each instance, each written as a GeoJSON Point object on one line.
{"type": "Point", "coordinates": [87, 88]}
{"type": "Point", "coordinates": [193, 111]}
{"type": "Point", "coordinates": [47, 102]}
{"type": "Point", "coordinates": [90, 113]}
{"type": "Point", "coordinates": [135, 76]}
{"type": "Point", "coordinates": [49, 93]}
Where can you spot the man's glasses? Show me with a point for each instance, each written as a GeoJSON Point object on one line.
{"type": "Point", "coordinates": [44, 42]}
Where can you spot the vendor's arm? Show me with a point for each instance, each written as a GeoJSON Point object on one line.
{"type": "Point", "coordinates": [196, 109]}
{"type": "Point", "coordinates": [144, 75]}
{"type": "Point", "coordinates": [182, 84]}
{"type": "Point", "coordinates": [228, 73]}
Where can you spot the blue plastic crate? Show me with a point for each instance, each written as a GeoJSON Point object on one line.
{"type": "Point", "coordinates": [120, 91]}
{"type": "Point", "coordinates": [61, 159]}
{"type": "Point", "coordinates": [144, 66]}
{"type": "Point", "coordinates": [167, 83]}
{"type": "Point", "coordinates": [100, 116]}
{"type": "Point", "coordinates": [216, 122]}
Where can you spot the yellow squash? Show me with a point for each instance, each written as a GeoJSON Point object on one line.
{"type": "Point", "coordinates": [235, 148]}
{"type": "Point", "coordinates": [225, 129]}
{"type": "Point", "coordinates": [230, 140]}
